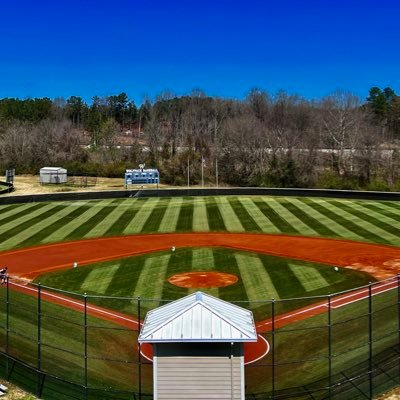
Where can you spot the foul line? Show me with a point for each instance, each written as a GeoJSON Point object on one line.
{"type": "Point", "coordinates": [77, 303]}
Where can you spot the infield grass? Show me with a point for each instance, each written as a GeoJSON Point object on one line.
{"type": "Point", "coordinates": [261, 277]}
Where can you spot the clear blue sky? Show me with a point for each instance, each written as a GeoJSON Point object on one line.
{"type": "Point", "coordinates": [225, 47]}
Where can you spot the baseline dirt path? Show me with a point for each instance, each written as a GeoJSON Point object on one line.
{"type": "Point", "coordinates": [378, 260]}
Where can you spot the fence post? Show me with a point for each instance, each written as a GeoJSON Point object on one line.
{"type": "Point", "coordinates": [370, 341]}
{"type": "Point", "coordinates": [139, 353]}
{"type": "Point", "coordinates": [38, 339]}
{"type": "Point", "coordinates": [273, 347]}
{"type": "Point", "coordinates": [7, 324]}
{"type": "Point", "coordinates": [86, 346]}
{"type": "Point", "coordinates": [330, 345]}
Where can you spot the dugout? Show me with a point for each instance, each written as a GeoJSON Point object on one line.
{"type": "Point", "coordinates": [53, 175]}
{"type": "Point", "coordinates": [198, 348]}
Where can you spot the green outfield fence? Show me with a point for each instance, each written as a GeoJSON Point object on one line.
{"type": "Point", "coordinates": [345, 347]}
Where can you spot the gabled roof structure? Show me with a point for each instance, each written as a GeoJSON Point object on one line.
{"type": "Point", "coordinates": [198, 317]}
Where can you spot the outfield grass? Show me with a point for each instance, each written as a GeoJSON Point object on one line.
{"type": "Point", "coordinates": [361, 220]}
{"type": "Point", "coordinates": [261, 277]}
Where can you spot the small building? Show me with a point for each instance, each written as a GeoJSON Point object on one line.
{"type": "Point", "coordinates": [142, 176]}
{"type": "Point", "coordinates": [198, 348]}
{"type": "Point", "coordinates": [53, 175]}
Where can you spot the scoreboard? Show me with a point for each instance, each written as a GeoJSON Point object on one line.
{"type": "Point", "coordinates": [142, 176]}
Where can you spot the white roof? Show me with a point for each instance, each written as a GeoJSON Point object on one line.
{"type": "Point", "coordinates": [52, 169]}
{"type": "Point", "coordinates": [198, 317]}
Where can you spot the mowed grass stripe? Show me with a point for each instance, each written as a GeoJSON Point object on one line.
{"type": "Point", "coordinates": [28, 236]}
{"type": "Point", "coordinates": [203, 260]}
{"type": "Point", "coordinates": [392, 205]}
{"type": "Point", "coordinates": [229, 216]}
{"type": "Point", "coordinates": [308, 218]}
{"type": "Point", "coordinates": [281, 224]}
{"type": "Point", "coordinates": [282, 277]}
{"type": "Point", "coordinates": [353, 222]}
{"type": "Point", "coordinates": [7, 208]}
{"type": "Point", "coordinates": [185, 219]}
{"type": "Point", "coordinates": [324, 225]}
{"type": "Point", "coordinates": [310, 278]}
{"type": "Point", "coordinates": [69, 227]}
{"type": "Point", "coordinates": [200, 220]}
{"type": "Point", "coordinates": [35, 217]}
{"type": "Point", "coordinates": [180, 261]}
{"type": "Point", "coordinates": [225, 260]}
{"type": "Point", "coordinates": [154, 271]}
{"type": "Point", "coordinates": [215, 220]}
{"type": "Point", "coordinates": [156, 216]}
{"type": "Point", "coordinates": [375, 218]}
{"type": "Point", "coordinates": [138, 222]}
{"type": "Point", "coordinates": [262, 221]}
{"type": "Point", "coordinates": [245, 218]}
{"type": "Point", "coordinates": [12, 220]}
{"type": "Point", "coordinates": [103, 226]}
{"type": "Point", "coordinates": [256, 280]}
{"type": "Point", "coordinates": [380, 210]}
{"type": "Point", "coordinates": [87, 225]}
{"type": "Point", "coordinates": [170, 218]}
{"type": "Point", "coordinates": [118, 226]}
{"type": "Point", "coordinates": [39, 232]}
{"type": "Point", "coordinates": [99, 278]}
{"type": "Point", "coordinates": [336, 215]}
{"type": "Point", "coordinates": [7, 213]}
{"type": "Point", "coordinates": [290, 218]}
{"type": "Point", "coordinates": [123, 281]}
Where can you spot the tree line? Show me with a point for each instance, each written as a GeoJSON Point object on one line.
{"type": "Point", "coordinates": [279, 140]}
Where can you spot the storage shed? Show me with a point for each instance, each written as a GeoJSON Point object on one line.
{"type": "Point", "coordinates": [198, 348]}
{"type": "Point", "coordinates": [53, 175]}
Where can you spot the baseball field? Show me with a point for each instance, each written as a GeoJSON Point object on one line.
{"type": "Point", "coordinates": [293, 250]}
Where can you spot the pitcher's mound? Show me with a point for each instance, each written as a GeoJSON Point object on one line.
{"type": "Point", "coordinates": [201, 280]}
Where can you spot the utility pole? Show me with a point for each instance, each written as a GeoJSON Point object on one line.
{"type": "Point", "coordinates": [188, 174]}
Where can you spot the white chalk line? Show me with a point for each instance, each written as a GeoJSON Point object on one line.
{"type": "Point", "coordinates": [79, 304]}
{"type": "Point", "coordinates": [374, 292]}
{"type": "Point", "coordinates": [246, 363]}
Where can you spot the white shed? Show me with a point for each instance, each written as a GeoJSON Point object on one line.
{"type": "Point", "coordinates": [198, 348]}
{"type": "Point", "coordinates": [53, 175]}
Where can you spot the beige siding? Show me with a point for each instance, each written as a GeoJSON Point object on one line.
{"type": "Point", "coordinates": [198, 378]}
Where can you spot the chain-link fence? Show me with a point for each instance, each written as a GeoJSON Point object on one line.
{"type": "Point", "coordinates": [61, 345]}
